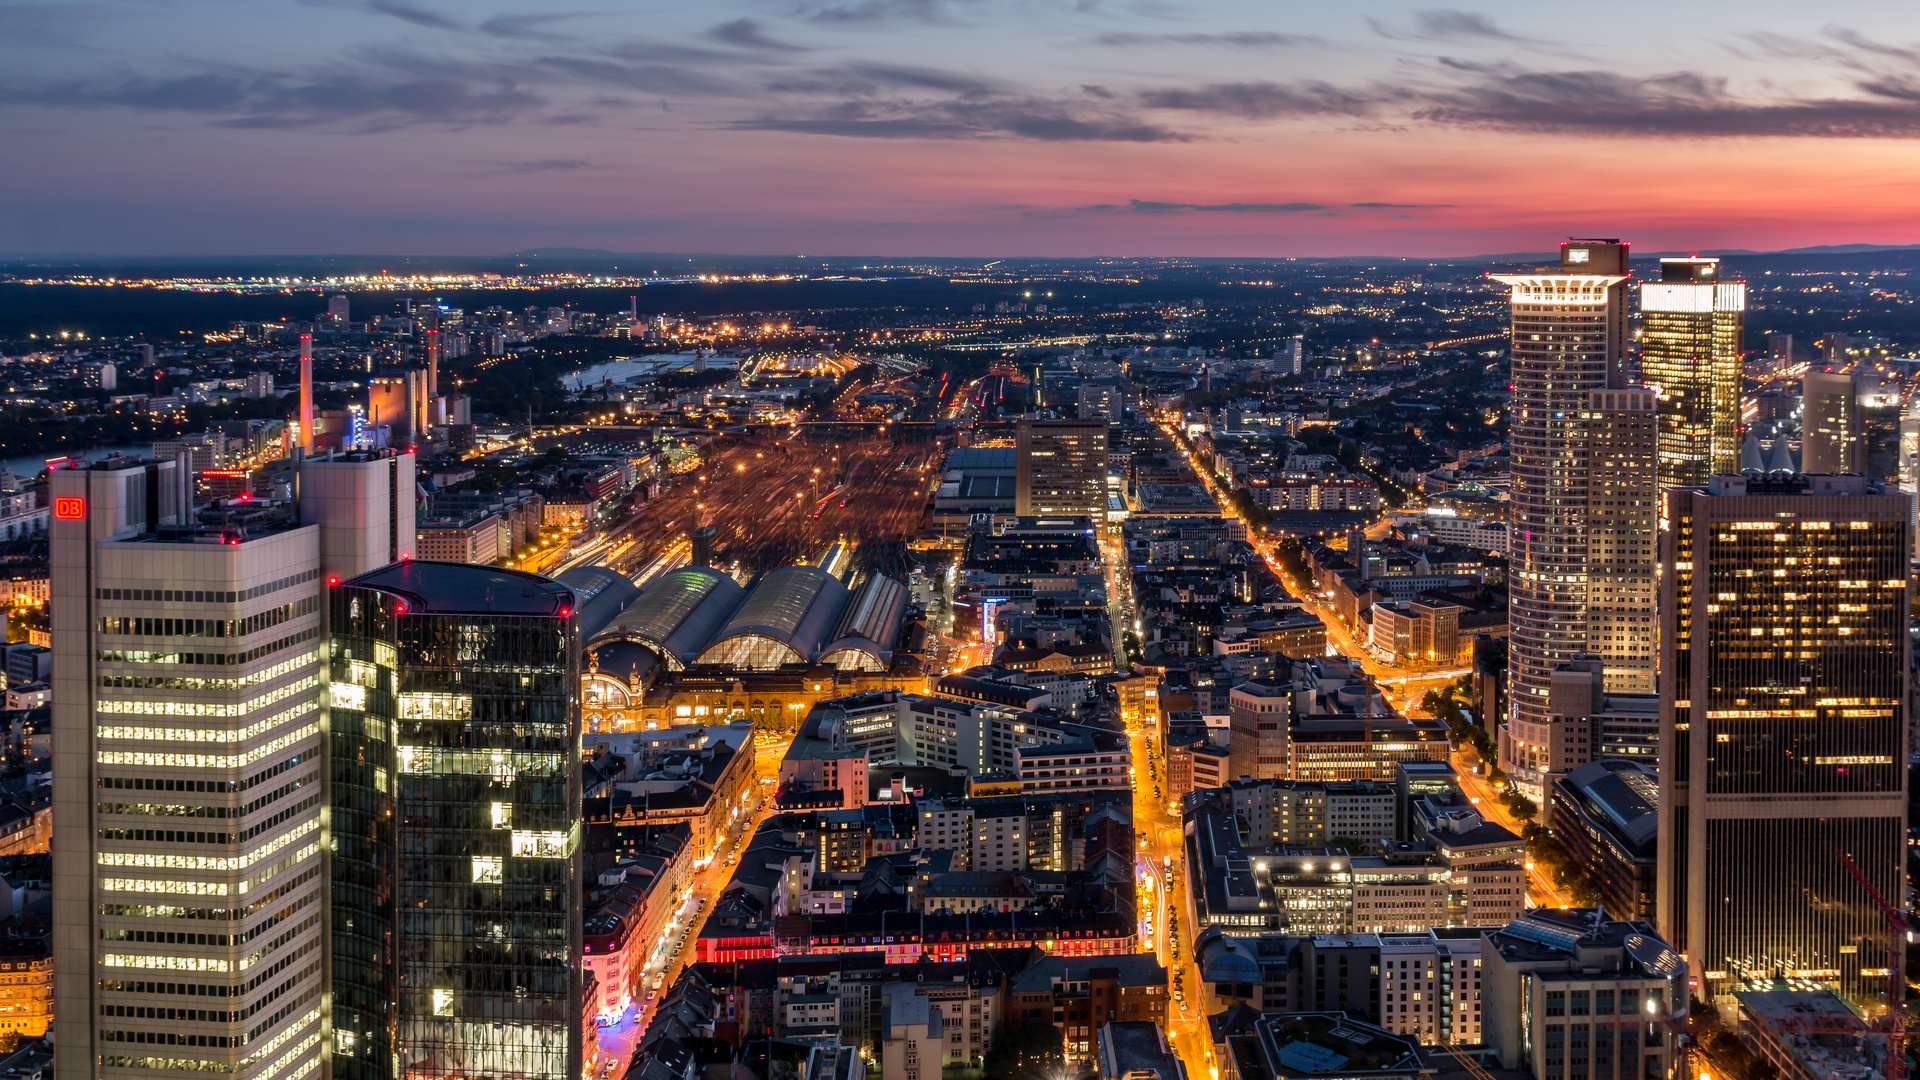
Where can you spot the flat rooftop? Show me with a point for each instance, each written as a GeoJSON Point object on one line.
{"type": "Point", "coordinates": [448, 588]}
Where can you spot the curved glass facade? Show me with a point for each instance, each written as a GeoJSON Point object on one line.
{"type": "Point", "coordinates": [456, 914]}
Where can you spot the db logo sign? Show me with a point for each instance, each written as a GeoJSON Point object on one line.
{"type": "Point", "coordinates": [69, 508]}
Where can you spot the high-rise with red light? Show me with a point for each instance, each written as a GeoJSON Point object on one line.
{"type": "Point", "coordinates": [190, 827]}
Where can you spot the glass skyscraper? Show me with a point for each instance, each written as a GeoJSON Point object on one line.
{"type": "Point", "coordinates": [1692, 330]}
{"type": "Point", "coordinates": [1783, 728]}
{"type": "Point", "coordinates": [455, 743]}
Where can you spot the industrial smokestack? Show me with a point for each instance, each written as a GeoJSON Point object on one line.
{"type": "Point", "coordinates": [703, 546]}
{"type": "Point", "coordinates": [306, 392]}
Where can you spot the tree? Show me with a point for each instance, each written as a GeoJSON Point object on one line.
{"type": "Point", "coordinates": [1030, 1050]}
{"type": "Point", "coordinates": [1521, 807]}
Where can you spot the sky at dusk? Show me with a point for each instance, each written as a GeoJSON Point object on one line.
{"type": "Point", "coordinates": [953, 127]}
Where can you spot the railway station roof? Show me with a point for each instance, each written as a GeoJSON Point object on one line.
{"type": "Point", "coordinates": [679, 613]}
{"type": "Point", "coordinates": [793, 609]}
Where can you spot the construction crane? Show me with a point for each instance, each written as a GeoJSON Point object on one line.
{"type": "Point", "coordinates": [1473, 1067]}
{"type": "Point", "coordinates": [1894, 1023]}
{"type": "Point", "coordinates": [1847, 1023]}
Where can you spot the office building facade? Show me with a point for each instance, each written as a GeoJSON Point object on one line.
{"type": "Point", "coordinates": [1832, 435]}
{"type": "Point", "coordinates": [189, 828]}
{"type": "Point", "coordinates": [1783, 726]}
{"type": "Point", "coordinates": [1692, 331]}
{"type": "Point", "coordinates": [455, 732]}
{"type": "Point", "coordinates": [1257, 743]}
{"type": "Point", "coordinates": [1582, 499]}
{"type": "Point", "coordinates": [1060, 468]}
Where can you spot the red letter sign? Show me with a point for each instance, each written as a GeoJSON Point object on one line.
{"type": "Point", "coordinates": [69, 508]}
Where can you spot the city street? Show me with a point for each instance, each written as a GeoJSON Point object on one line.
{"type": "Point", "coordinates": [703, 890]}
{"type": "Point", "coordinates": [1163, 891]}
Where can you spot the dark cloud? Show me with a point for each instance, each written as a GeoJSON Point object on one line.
{"type": "Point", "coordinates": [528, 27]}
{"type": "Point", "coordinates": [550, 165]}
{"type": "Point", "coordinates": [938, 12]}
{"type": "Point", "coordinates": [1398, 206]}
{"type": "Point", "coordinates": [749, 34]}
{"type": "Point", "coordinates": [871, 80]}
{"type": "Point", "coordinates": [1854, 39]}
{"type": "Point", "coordinates": [650, 77]}
{"type": "Point", "coordinates": [1682, 103]}
{"type": "Point", "coordinates": [418, 16]}
{"type": "Point", "coordinates": [1039, 120]}
{"type": "Point", "coordinates": [1233, 39]}
{"type": "Point", "coordinates": [1448, 25]}
{"type": "Point", "coordinates": [966, 87]}
{"type": "Point", "coordinates": [1268, 100]}
{"type": "Point", "coordinates": [1144, 206]}
{"type": "Point", "coordinates": [263, 101]}
{"type": "Point", "coordinates": [1460, 93]}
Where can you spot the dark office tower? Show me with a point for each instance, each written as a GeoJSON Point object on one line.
{"type": "Point", "coordinates": [1831, 436]}
{"type": "Point", "coordinates": [1569, 342]}
{"type": "Point", "coordinates": [1782, 726]}
{"type": "Point", "coordinates": [455, 739]}
{"type": "Point", "coordinates": [1060, 467]}
{"type": "Point", "coordinates": [1692, 330]}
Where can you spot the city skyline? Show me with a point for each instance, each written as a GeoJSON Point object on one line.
{"type": "Point", "coordinates": [945, 127]}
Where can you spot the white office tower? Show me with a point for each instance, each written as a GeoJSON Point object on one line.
{"type": "Point", "coordinates": [1581, 547]}
{"type": "Point", "coordinates": [1910, 459]}
{"type": "Point", "coordinates": [190, 836]}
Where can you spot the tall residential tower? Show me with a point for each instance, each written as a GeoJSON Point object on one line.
{"type": "Point", "coordinates": [1783, 726]}
{"type": "Point", "coordinates": [1581, 533]}
{"type": "Point", "coordinates": [1692, 330]}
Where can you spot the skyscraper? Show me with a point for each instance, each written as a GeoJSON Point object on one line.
{"type": "Point", "coordinates": [1831, 439]}
{"type": "Point", "coordinates": [1783, 726]}
{"type": "Point", "coordinates": [455, 813]}
{"type": "Point", "coordinates": [1622, 517]}
{"type": "Point", "coordinates": [1910, 458]}
{"type": "Point", "coordinates": [1583, 490]}
{"type": "Point", "coordinates": [1060, 467]}
{"type": "Point", "coordinates": [189, 830]}
{"type": "Point", "coordinates": [1692, 331]}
